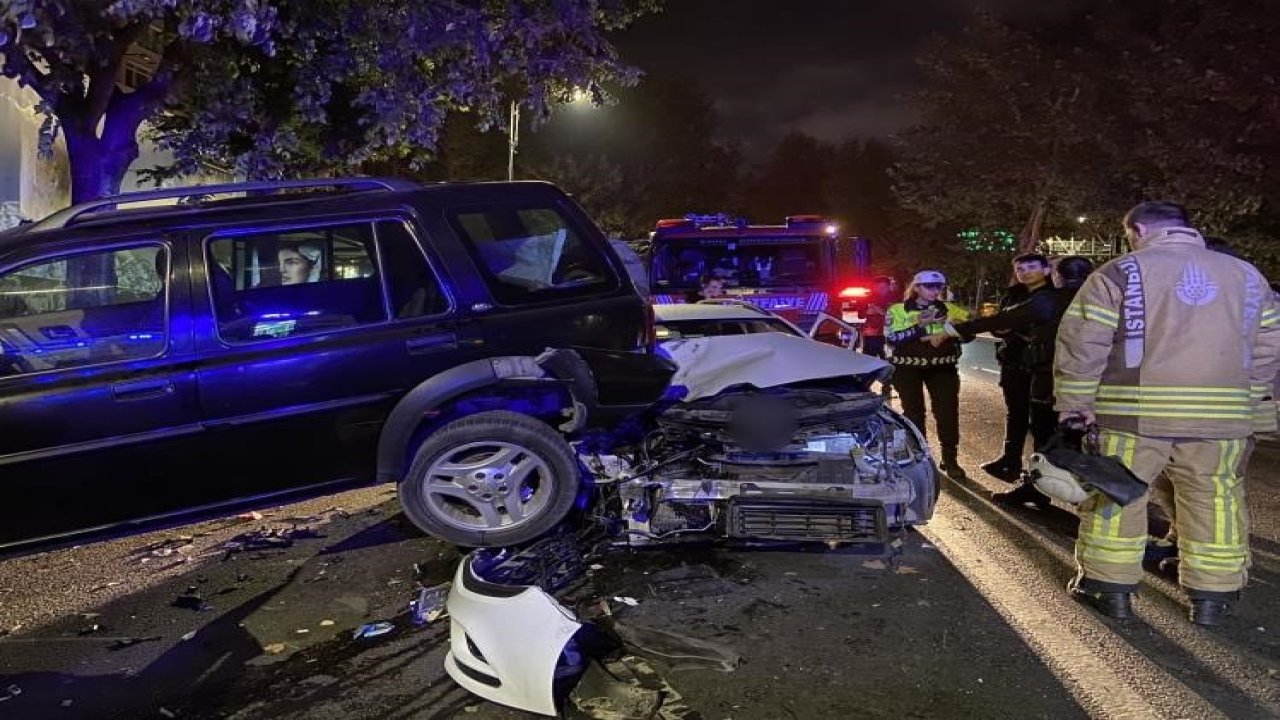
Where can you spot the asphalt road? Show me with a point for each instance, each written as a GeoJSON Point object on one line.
{"type": "Point", "coordinates": [968, 619]}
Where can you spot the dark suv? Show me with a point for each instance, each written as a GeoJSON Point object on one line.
{"type": "Point", "coordinates": [252, 339]}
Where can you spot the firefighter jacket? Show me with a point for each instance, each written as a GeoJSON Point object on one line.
{"type": "Point", "coordinates": [1171, 340]}
{"type": "Point", "coordinates": [906, 335]}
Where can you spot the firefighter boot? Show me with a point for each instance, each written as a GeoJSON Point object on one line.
{"type": "Point", "coordinates": [950, 466]}
{"type": "Point", "coordinates": [1210, 608]}
{"type": "Point", "coordinates": [1116, 605]}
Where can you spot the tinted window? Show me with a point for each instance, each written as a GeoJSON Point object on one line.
{"type": "Point", "coordinates": [746, 261]}
{"type": "Point", "coordinates": [529, 254]}
{"type": "Point", "coordinates": [287, 282]}
{"type": "Point", "coordinates": [84, 310]}
{"type": "Point", "coordinates": [415, 291]}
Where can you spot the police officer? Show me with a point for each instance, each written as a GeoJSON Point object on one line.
{"type": "Point", "coordinates": [1162, 403]}
{"type": "Point", "coordinates": [921, 363]}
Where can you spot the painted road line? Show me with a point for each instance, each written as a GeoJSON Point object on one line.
{"type": "Point", "coordinates": [1097, 676]}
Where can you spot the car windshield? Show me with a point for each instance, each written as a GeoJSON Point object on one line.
{"type": "Point", "coordinates": [745, 262]}
{"type": "Point", "coordinates": [684, 329]}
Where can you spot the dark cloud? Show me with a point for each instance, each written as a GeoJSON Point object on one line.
{"type": "Point", "coordinates": [831, 68]}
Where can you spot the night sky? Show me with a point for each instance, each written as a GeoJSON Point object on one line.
{"type": "Point", "coordinates": [830, 68]}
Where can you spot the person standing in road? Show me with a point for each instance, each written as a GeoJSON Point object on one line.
{"type": "Point", "coordinates": [1162, 402]}
{"type": "Point", "coordinates": [1035, 320]}
{"type": "Point", "coordinates": [1032, 273]}
{"type": "Point", "coordinates": [874, 316]}
{"type": "Point", "coordinates": [919, 363]}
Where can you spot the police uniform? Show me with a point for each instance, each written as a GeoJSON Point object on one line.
{"type": "Point", "coordinates": [919, 365]}
{"type": "Point", "coordinates": [1172, 347]}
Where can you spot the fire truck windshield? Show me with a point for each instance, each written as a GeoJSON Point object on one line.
{"type": "Point", "coordinates": [754, 262]}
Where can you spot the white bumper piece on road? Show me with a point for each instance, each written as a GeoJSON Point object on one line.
{"type": "Point", "coordinates": [710, 364]}
{"type": "Point", "coordinates": [505, 641]}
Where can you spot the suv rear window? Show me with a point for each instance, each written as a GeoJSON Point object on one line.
{"type": "Point", "coordinates": [532, 253]}
{"type": "Point", "coordinates": [280, 283]}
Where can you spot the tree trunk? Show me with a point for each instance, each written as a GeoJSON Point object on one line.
{"type": "Point", "coordinates": [98, 165]}
{"type": "Point", "coordinates": [1029, 238]}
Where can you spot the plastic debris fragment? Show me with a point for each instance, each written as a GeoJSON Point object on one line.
{"type": "Point", "coordinates": [130, 642]}
{"type": "Point", "coordinates": [373, 630]}
{"type": "Point", "coordinates": [429, 606]}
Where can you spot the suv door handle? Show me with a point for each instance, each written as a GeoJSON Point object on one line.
{"type": "Point", "coordinates": [435, 342]}
{"type": "Point", "coordinates": [138, 389]}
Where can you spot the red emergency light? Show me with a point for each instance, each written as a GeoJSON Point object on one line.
{"type": "Point", "coordinates": [855, 291]}
{"type": "Point", "coordinates": [674, 223]}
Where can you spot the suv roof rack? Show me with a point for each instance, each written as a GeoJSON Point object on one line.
{"type": "Point", "coordinates": [190, 193]}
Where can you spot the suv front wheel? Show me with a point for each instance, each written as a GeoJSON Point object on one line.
{"type": "Point", "coordinates": [491, 479]}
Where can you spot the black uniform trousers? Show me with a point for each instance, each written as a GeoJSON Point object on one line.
{"type": "Point", "coordinates": [1015, 384]}
{"type": "Point", "coordinates": [1044, 419]}
{"type": "Point", "coordinates": [943, 382]}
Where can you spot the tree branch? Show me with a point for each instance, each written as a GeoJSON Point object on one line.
{"type": "Point", "coordinates": [102, 84]}
{"type": "Point", "coordinates": [18, 65]}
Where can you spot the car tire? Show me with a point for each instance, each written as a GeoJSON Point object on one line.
{"type": "Point", "coordinates": [492, 479]}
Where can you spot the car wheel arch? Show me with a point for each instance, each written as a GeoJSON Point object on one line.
{"type": "Point", "coordinates": [443, 397]}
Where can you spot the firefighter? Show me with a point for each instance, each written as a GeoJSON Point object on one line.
{"type": "Point", "coordinates": [874, 315]}
{"type": "Point", "coordinates": [920, 363]}
{"type": "Point", "coordinates": [710, 287]}
{"type": "Point", "coordinates": [1162, 403]}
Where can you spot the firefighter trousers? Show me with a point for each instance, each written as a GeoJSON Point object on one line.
{"type": "Point", "coordinates": [1213, 535]}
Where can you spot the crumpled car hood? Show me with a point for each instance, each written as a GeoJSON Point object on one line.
{"type": "Point", "coordinates": [708, 365]}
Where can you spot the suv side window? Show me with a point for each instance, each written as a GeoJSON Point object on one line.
{"type": "Point", "coordinates": [532, 253]}
{"type": "Point", "coordinates": [294, 281]}
{"type": "Point", "coordinates": [85, 309]}
{"type": "Point", "coordinates": [415, 290]}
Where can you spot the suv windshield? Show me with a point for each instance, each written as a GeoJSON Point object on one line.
{"type": "Point", "coordinates": [746, 262]}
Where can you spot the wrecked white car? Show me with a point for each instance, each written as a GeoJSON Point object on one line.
{"type": "Point", "coordinates": [760, 437]}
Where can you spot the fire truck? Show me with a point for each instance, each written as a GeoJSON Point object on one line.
{"type": "Point", "coordinates": [801, 269]}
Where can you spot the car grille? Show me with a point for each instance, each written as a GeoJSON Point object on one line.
{"type": "Point", "coordinates": [801, 520]}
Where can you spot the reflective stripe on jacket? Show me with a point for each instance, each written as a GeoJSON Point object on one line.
{"type": "Point", "coordinates": [906, 336]}
{"type": "Point", "coordinates": [1171, 340]}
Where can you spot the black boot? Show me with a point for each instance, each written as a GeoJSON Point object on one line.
{"type": "Point", "coordinates": [1021, 495]}
{"type": "Point", "coordinates": [1208, 613]}
{"type": "Point", "coordinates": [1116, 605]}
{"type": "Point", "coordinates": [1003, 468]}
{"type": "Point", "coordinates": [950, 466]}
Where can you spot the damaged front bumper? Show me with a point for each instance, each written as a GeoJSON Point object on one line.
{"type": "Point", "coordinates": [506, 640]}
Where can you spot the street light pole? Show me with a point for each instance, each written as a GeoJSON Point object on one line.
{"type": "Point", "coordinates": [513, 139]}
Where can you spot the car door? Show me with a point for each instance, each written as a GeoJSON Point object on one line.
{"type": "Point", "coordinates": [98, 408]}
{"type": "Point", "coordinates": [297, 374]}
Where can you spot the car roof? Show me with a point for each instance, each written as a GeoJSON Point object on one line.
{"type": "Point", "coordinates": [710, 311]}
{"type": "Point", "coordinates": [256, 202]}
